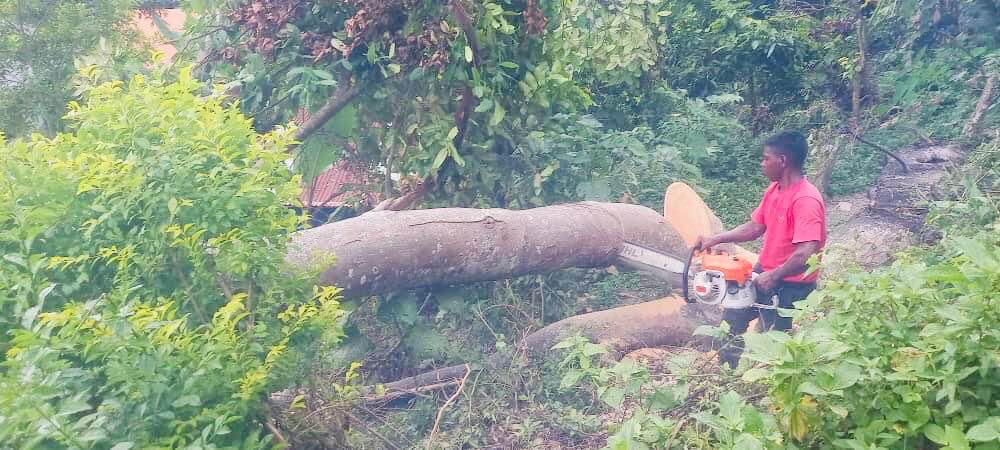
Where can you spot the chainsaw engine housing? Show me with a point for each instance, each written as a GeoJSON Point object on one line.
{"type": "Point", "coordinates": [724, 280]}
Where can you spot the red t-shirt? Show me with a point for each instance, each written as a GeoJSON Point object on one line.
{"type": "Point", "coordinates": [792, 215]}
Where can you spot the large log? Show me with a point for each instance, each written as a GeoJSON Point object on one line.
{"type": "Point", "coordinates": [385, 251]}
{"type": "Point", "coordinates": [667, 321]}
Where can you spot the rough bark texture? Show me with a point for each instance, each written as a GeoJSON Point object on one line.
{"type": "Point", "coordinates": [386, 251]}
{"type": "Point", "coordinates": [667, 321]}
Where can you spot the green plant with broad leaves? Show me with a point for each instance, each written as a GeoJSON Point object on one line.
{"type": "Point", "coordinates": [144, 302]}
{"type": "Point", "coordinates": [901, 358]}
{"type": "Point", "coordinates": [625, 381]}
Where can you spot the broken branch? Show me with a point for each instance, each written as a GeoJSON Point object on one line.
{"type": "Point", "coordinates": [437, 421]}
{"type": "Point", "coordinates": [884, 150]}
{"type": "Point", "coordinates": [345, 93]}
{"type": "Point", "coordinates": [982, 105]}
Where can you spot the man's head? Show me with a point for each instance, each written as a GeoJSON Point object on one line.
{"type": "Point", "coordinates": [785, 151]}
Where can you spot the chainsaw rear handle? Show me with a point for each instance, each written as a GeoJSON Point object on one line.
{"type": "Point", "coordinates": [684, 275]}
{"type": "Point", "coordinates": [687, 270]}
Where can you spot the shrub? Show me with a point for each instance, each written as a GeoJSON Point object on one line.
{"type": "Point", "coordinates": [143, 286]}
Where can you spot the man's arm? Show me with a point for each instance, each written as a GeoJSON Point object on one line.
{"type": "Point", "coordinates": [743, 233]}
{"type": "Point", "coordinates": [795, 264]}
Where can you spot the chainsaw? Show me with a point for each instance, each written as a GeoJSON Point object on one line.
{"type": "Point", "coordinates": [709, 278]}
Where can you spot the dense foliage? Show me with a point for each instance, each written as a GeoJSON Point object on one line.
{"type": "Point", "coordinates": [144, 297]}
{"type": "Point", "coordinates": [39, 41]}
{"type": "Point", "coordinates": [901, 358]}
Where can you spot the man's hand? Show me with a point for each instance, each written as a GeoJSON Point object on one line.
{"type": "Point", "coordinates": [767, 281]}
{"type": "Point", "coordinates": [746, 232]}
{"type": "Point", "coordinates": [705, 243]}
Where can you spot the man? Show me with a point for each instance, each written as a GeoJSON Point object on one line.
{"type": "Point", "coordinates": [792, 219]}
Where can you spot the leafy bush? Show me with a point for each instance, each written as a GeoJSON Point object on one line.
{"type": "Point", "coordinates": [143, 286]}
{"type": "Point", "coordinates": [901, 358]}
{"type": "Point", "coordinates": [617, 384]}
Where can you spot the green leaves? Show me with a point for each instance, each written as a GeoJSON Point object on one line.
{"type": "Point", "coordinates": [187, 400]}
{"type": "Point", "coordinates": [157, 310]}
{"type": "Point", "coordinates": [498, 115]}
{"type": "Point", "coordinates": [49, 39]}
{"type": "Point", "coordinates": [987, 431]}
{"type": "Point", "coordinates": [897, 353]}
{"type": "Point", "coordinates": [978, 253]}
{"type": "Point", "coordinates": [613, 396]}
{"type": "Point", "coordinates": [951, 438]}
{"type": "Point", "coordinates": [766, 348]}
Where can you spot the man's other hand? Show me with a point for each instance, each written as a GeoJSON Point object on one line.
{"type": "Point", "coordinates": [705, 243]}
{"type": "Point", "coordinates": [767, 281]}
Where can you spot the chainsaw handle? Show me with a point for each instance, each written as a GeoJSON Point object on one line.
{"type": "Point", "coordinates": [684, 276]}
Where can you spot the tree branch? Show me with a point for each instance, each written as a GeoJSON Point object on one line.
{"type": "Point", "coordinates": [346, 92]}
{"type": "Point", "coordinates": [984, 102]}
{"type": "Point", "coordinates": [437, 421]}
{"type": "Point", "coordinates": [468, 99]}
{"type": "Point", "coordinates": [884, 150]}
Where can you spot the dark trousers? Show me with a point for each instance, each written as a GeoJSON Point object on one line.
{"type": "Point", "coordinates": [739, 319]}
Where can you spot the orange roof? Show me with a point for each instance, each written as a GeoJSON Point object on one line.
{"type": "Point", "coordinates": [342, 183]}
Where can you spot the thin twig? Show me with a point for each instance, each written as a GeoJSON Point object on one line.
{"type": "Point", "coordinates": [250, 304]}
{"type": "Point", "coordinates": [397, 393]}
{"type": "Point", "coordinates": [274, 430]}
{"type": "Point", "coordinates": [187, 287]}
{"type": "Point", "coordinates": [225, 287]}
{"type": "Point", "coordinates": [674, 434]}
{"type": "Point", "coordinates": [472, 393]}
{"type": "Point", "coordinates": [373, 432]}
{"type": "Point", "coordinates": [437, 421]}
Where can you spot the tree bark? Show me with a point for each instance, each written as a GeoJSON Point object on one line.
{"type": "Point", "coordinates": [858, 81]}
{"type": "Point", "coordinates": [667, 321]}
{"type": "Point", "coordinates": [387, 251]}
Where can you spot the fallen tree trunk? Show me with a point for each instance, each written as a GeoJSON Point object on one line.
{"type": "Point", "coordinates": [575, 235]}
{"type": "Point", "coordinates": [386, 251]}
{"type": "Point", "coordinates": [667, 321]}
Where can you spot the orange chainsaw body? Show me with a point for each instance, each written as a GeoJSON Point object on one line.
{"type": "Point", "coordinates": [733, 268]}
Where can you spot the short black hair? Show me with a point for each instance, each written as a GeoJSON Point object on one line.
{"type": "Point", "coordinates": [791, 144]}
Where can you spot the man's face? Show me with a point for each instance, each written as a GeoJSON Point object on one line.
{"type": "Point", "coordinates": [773, 163]}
